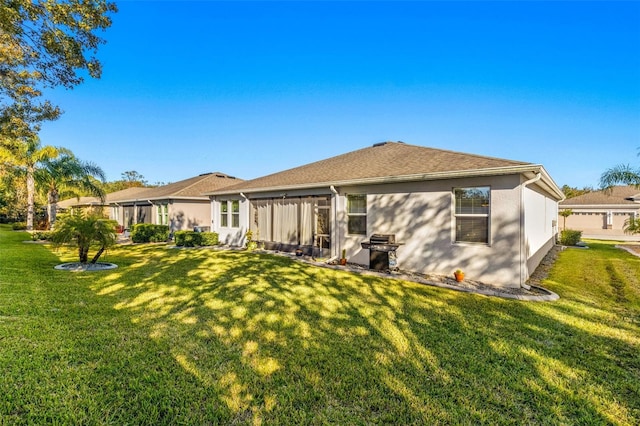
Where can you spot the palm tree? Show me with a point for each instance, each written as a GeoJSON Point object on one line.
{"type": "Point", "coordinates": [68, 176]}
{"type": "Point", "coordinates": [621, 174]}
{"type": "Point", "coordinates": [25, 156]}
{"type": "Point", "coordinates": [82, 230]}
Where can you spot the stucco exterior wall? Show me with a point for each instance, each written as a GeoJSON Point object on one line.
{"type": "Point", "coordinates": [185, 214]}
{"type": "Point", "coordinates": [540, 226]}
{"type": "Point", "coordinates": [421, 214]}
{"type": "Point", "coordinates": [230, 235]}
{"type": "Point", "coordinates": [593, 221]}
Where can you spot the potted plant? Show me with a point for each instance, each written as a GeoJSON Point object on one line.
{"type": "Point", "coordinates": [343, 259]}
{"type": "Point", "coordinates": [459, 275]}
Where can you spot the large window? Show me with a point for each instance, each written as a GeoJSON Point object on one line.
{"type": "Point", "coordinates": [224, 214]}
{"type": "Point", "coordinates": [472, 207]}
{"type": "Point", "coordinates": [357, 214]}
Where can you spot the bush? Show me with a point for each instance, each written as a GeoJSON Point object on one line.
{"type": "Point", "coordinates": [195, 239]}
{"type": "Point", "coordinates": [19, 226]}
{"type": "Point", "coordinates": [570, 237]}
{"type": "Point", "coordinates": [149, 233]}
{"type": "Point", "coordinates": [41, 235]}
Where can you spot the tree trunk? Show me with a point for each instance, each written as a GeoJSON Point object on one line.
{"type": "Point", "coordinates": [52, 207]}
{"type": "Point", "coordinates": [83, 253]}
{"type": "Point", "coordinates": [98, 254]}
{"type": "Point", "coordinates": [31, 189]}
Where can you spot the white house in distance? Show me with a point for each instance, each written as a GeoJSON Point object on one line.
{"type": "Point", "coordinates": [602, 214]}
{"type": "Point", "coordinates": [493, 218]}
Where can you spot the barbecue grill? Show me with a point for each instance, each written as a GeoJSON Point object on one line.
{"type": "Point", "coordinates": [382, 252]}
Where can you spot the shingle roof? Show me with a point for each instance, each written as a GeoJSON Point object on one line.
{"type": "Point", "coordinates": [193, 187]}
{"type": "Point", "coordinates": [387, 159]}
{"type": "Point", "coordinates": [617, 195]}
{"type": "Point", "coordinates": [188, 188]}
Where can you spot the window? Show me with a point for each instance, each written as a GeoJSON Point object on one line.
{"type": "Point", "coordinates": [472, 208]}
{"type": "Point", "coordinates": [163, 214]}
{"type": "Point", "coordinates": [357, 213]}
{"type": "Point", "coordinates": [224, 210]}
{"type": "Point", "coordinates": [235, 214]}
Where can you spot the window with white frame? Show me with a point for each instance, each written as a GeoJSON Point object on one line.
{"type": "Point", "coordinates": [357, 214]}
{"type": "Point", "coordinates": [235, 214]}
{"type": "Point", "coordinates": [471, 212]}
{"type": "Point", "coordinates": [224, 214]}
{"type": "Point", "coordinates": [163, 214]}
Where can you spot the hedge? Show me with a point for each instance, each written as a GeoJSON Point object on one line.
{"type": "Point", "coordinates": [570, 237]}
{"type": "Point", "coordinates": [149, 233]}
{"type": "Point", "coordinates": [195, 239]}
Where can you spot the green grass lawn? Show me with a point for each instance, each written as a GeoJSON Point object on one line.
{"type": "Point", "coordinates": [205, 337]}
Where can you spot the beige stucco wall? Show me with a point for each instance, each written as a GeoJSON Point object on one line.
{"type": "Point", "coordinates": [185, 214]}
{"type": "Point", "coordinates": [592, 221]}
{"type": "Point", "coordinates": [421, 216]}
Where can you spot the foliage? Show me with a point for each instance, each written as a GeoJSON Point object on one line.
{"type": "Point", "coordinates": [149, 233]}
{"type": "Point", "coordinates": [67, 176]}
{"type": "Point", "coordinates": [565, 214]}
{"type": "Point", "coordinates": [632, 225]}
{"type": "Point", "coordinates": [570, 237]}
{"type": "Point", "coordinates": [41, 235]}
{"type": "Point", "coordinates": [82, 230]}
{"type": "Point", "coordinates": [19, 226]}
{"type": "Point", "coordinates": [25, 157]}
{"type": "Point", "coordinates": [621, 174]}
{"type": "Point", "coordinates": [195, 239]}
{"type": "Point", "coordinates": [570, 192]}
{"type": "Point", "coordinates": [45, 44]}
{"type": "Point", "coordinates": [231, 337]}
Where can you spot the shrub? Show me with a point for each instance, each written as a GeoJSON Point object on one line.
{"type": "Point", "coordinates": [19, 226]}
{"type": "Point", "coordinates": [149, 233]}
{"type": "Point", "coordinates": [195, 239]}
{"type": "Point", "coordinates": [41, 235]}
{"type": "Point", "coordinates": [209, 238]}
{"type": "Point", "coordinates": [570, 237]}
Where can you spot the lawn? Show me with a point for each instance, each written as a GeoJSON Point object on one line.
{"type": "Point", "coordinates": [218, 337]}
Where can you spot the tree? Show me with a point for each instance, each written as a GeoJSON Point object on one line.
{"type": "Point", "coordinates": [565, 214]}
{"type": "Point", "coordinates": [45, 44]}
{"type": "Point", "coordinates": [68, 176]}
{"type": "Point", "coordinates": [623, 174]}
{"type": "Point", "coordinates": [82, 230]}
{"type": "Point", "coordinates": [133, 179]}
{"type": "Point", "coordinates": [570, 192]}
{"type": "Point", "coordinates": [25, 157]}
{"type": "Point", "coordinates": [632, 225]}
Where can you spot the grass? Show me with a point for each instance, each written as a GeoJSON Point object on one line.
{"type": "Point", "coordinates": [205, 337]}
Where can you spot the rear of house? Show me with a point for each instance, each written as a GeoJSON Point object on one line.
{"type": "Point", "coordinates": [491, 217]}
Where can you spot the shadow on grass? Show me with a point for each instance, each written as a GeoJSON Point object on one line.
{"type": "Point", "coordinates": [266, 339]}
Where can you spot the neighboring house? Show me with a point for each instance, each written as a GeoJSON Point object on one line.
{"type": "Point", "coordinates": [181, 205]}
{"type": "Point", "coordinates": [493, 218]}
{"type": "Point", "coordinates": [602, 214]}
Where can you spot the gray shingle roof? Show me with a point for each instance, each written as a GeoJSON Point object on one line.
{"type": "Point", "coordinates": [617, 195]}
{"type": "Point", "coordinates": [190, 188]}
{"type": "Point", "coordinates": [388, 159]}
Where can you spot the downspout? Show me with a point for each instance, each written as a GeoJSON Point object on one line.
{"type": "Point", "coordinates": [335, 222]}
{"type": "Point", "coordinates": [248, 210]}
{"type": "Point", "coordinates": [536, 178]}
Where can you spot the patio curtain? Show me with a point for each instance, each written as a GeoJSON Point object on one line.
{"type": "Point", "coordinates": [306, 221]}
{"type": "Point", "coordinates": [285, 221]}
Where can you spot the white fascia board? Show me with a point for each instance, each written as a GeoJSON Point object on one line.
{"type": "Point", "coordinates": [629, 207]}
{"type": "Point", "coordinates": [146, 199]}
{"type": "Point", "coordinates": [495, 171]}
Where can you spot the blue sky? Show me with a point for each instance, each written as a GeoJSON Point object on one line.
{"type": "Point", "coordinates": [252, 88]}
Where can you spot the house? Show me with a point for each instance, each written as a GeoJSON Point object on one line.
{"type": "Point", "coordinates": [493, 218]}
{"type": "Point", "coordinates": [602, 214]}
{"type": "Point", "coordinates": [180, 205]}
